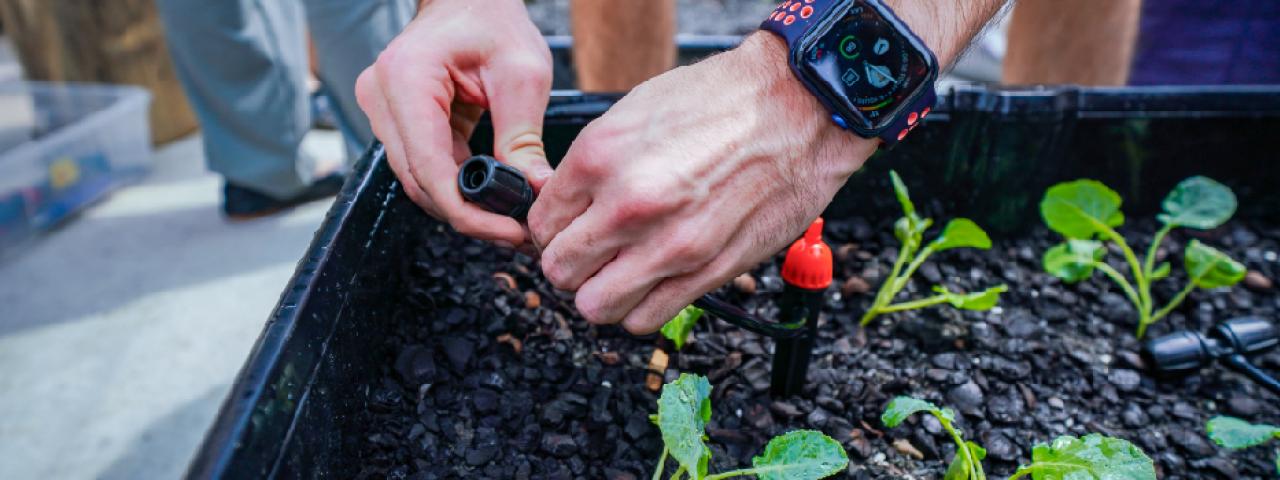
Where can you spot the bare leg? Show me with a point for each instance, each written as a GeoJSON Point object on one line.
{"type": "Point", "coordinates": [620, 43]}
{"type": "Point", "coordinates": [1085, 42]}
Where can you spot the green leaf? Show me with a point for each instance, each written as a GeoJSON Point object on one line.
{"type": "Point", "coordinates": [1091, 457]}
{"type": "Point", "coordinates": [904, 198]}
{"type": "Point", "coordinates": [1161, 271]}
{"type": "Point", "coordinates": [800, 455]}
{"type": "Point", "coordinates": [961, 233]}
{"type": "Point", "coordinates": [1210, 268]}
{"type": "Point", "coordinates": [1073, 260]}
{"type": "Point", "coordinates": [1200, 203]}
{"type": "Point", "coordinates": [678, 329]}
{"type": "Point", "coordinates": [1235, 433]}
{"type": "Point", "coordinates": [1081, 209]}
{"type": "Point", "coordinates": [684, 408]}
{"type": "Point", "coordinates": [983, 300]}
{"type": "Point", "coordinates": [900, 408]}
{"type": "Point", "coordinates": [960, 468]}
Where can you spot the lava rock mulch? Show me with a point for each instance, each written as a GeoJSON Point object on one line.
{"type": "Point", "coordinates": [491, 373]}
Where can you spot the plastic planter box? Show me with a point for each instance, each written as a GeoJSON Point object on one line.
{"type": "Point", "coordinates": [987, 154]}
{"type": "Point", "coordinates": [63, 146]}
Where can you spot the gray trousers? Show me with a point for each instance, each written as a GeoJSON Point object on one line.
{"type": "Point", "coordinates": [244, 66]}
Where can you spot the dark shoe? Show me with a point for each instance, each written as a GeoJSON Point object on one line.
{"type": "Point", "coordinates": [240, 203]}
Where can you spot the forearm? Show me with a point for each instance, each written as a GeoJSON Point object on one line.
{"type": "Point", "coordinates": [1086, 42]}
{"type": "Point", "coordinates": [946, 26]}
{"type": "Point", "coordinates": [617, 44]}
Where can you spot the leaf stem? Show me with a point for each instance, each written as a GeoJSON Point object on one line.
{"type": "Point", "coordinates": [887, 289]}
{"type": "Point", "coordinates": [679, 473]}
{"type": "Point", "coordinates": [732, 473]}
{"type": "Point", "coordinates": [1124, 283]}
{"type": "Point", "coordinates": [1022, 471]}
{"type": "Point", "coordinates": [1150, 264]}
{"type": "Point", "coordinates": [975, 468]}
{"type": "Point", "coordinates": [1177, 300]}
{"type": "Point", "coordinates": [1144, 290]}
{"type": "Point", "coordinates": [911, 269]}
{"type": "Point", "coordinates": [914, 304]}
{"type": "Point", "coordinates": [662, 464]}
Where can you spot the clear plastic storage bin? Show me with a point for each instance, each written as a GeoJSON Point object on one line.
{"type": "Point", "coordinates": [64, 146]}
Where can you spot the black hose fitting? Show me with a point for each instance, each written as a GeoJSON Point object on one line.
{"type": "Point", "coordinates": [495, 186]}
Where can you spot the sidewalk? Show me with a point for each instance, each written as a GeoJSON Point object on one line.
{"type": "Point", "coordinates": [123, 330]}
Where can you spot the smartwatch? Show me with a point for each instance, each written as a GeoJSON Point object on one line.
{"type": "Point", "coordinates": [874, 75]}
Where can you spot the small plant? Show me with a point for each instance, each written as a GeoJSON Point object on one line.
{"type": "Point", "coordinates": [1093, 456]}
{"type": "Point", "coordinates": [959, 233]}
{"type": "Point", "coordinates": [1086, 213]}
{"type": "Point", "coordinates": [1236, 434]}
{"type": "Point", "coordinates": [684, 409]}
{"type": "Point", "coordinates": [679, 328]}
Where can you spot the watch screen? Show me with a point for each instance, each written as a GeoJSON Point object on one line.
{"type": "Point", "coordinates": [864, 59]}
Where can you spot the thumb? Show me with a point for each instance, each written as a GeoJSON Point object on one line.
{"type": "Point", "coordinates": [517, 102]}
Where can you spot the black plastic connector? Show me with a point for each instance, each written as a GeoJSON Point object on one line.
{"type": "Point", "coordinates": [495, 186]}
{"type": "Point", "coordinates": [1186, 352]}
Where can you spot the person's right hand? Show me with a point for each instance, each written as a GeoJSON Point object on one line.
{"type": "Point", "coordinates": [427, 90]}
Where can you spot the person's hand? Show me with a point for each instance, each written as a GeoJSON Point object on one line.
{"type": "Point", "coordinates": [427, 90]}
{"type": "Point", "coordinates": [692, 178]}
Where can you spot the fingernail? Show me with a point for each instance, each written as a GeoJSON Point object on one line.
{"type": "Point", "coordinates": [503, 244]}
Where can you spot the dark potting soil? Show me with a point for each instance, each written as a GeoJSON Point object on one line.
{"type": "Point", "coordinates": [482, 380]}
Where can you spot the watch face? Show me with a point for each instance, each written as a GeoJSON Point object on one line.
{"type": "Point", "coordinates": [863, 59]}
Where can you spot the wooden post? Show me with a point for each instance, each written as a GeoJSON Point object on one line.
{"type": "Point", "coordinates": [107, 41]}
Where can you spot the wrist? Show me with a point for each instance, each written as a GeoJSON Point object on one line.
{"type": "Point", "coordinates": [765, 55]}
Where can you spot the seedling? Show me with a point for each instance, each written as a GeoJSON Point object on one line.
{"type": "Point", "coordinates": [959, 233]}
{"type": "Point", "coordinates": [1086, 213]}
{"type": "Point", "coordinates": [1236, 434]}
{"type": "Point", "coordinates": [684, 409]}
{"type": "Point", "coordinates": [1093, 456]}
{"type": "Point", "coordinates": [679, 328]}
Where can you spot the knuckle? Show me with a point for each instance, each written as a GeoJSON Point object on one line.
{"type": "Point", "coordinates": [637, 203]}
{"type": "Point", "coordinates": [691, 249]}
{"type": "Point", "coordinates": [555, 271]}
{"type": "Point", "coordinates": [592, 310]}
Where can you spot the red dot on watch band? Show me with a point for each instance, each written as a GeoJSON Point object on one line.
{"type": "Point", "coordinates": [795, 6]}
{"type": "Point", "coordinates": [912, 118]}
{"type": "Point", "coordinates": [789, 20]}
{"type": "Point", "coordinates": [806, 11]}
{"type": "Point", "coordinates": [925, 112]}
{"type": "Point", "coordinates": [902, 134]}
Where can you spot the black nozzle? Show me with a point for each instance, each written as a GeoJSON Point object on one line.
{"type": "Point", "coordinates": [495, 186]}
{"type": "Point", "coordinates": [1178, 352]}
{"type": "Point", "coordinates": [1185, 352]}
{"type": "Point", "coordinates": [1247, 335]}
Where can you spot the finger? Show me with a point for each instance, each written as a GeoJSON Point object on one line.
{"type": "Point", "coordinates": [611, 293]}
{"type": "Point", "coordinates": [421, 117]}
{"type": "Point", "coordinates": [374, 103]}
{"type": "Point", "coordinates": [580, 250]}
{"type": "Point", "coordinates": [518, 88]}
{"type": "Point", "coordinates": [669, 296]}
{"type": "Point", "coordinates": [567, 194]}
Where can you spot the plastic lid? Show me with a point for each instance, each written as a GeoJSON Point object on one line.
{"type": "Point", "coordinates": [808, 264]}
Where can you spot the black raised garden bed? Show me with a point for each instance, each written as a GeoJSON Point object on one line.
{"type": "Point", "coordinates": [393, 352]}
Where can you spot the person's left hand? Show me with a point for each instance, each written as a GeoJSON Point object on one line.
{"type": "Point", "coordinates": [695, 176]}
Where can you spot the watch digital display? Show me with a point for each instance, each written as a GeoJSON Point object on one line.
{"type": "Point", "coordinates": [862, 58]}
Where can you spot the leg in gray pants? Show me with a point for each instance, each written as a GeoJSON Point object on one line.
{"type": "Point", "coordinates": [243, 64]}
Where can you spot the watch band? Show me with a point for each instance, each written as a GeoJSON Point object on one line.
{"type": "Point", "coordinates": [793, 18]}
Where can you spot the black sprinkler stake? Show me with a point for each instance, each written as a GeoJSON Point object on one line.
{"type": "Point", "coordinates": [1231, 341]}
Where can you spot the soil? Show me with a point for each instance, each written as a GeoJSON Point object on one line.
{"type": "Point", "coordinates": [486, 381]}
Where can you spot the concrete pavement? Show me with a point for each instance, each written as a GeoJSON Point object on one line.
{"type": "Point", "coordinates": [121, 332]}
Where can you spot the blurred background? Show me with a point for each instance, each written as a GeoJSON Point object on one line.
{"type": "Point", "coordinates": [136, 273]}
